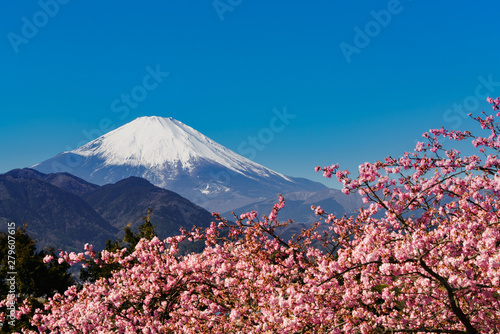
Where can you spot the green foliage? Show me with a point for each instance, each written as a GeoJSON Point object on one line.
{"type": "Point", "coordinates": [95, 271]}
{"type": "Point", "coordinates": [34, 279]}
{"type": "Point", "coordinates": [187, 247]}
{"type": "Point", "coordinates": [146, 230]}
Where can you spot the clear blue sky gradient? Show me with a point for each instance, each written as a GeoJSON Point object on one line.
{"type": "Point", "coordinates": [359, 80]}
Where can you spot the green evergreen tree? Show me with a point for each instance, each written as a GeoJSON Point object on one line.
{"type": "Point", "coordinates": [146, 230]}
{"type": "Point", "coordinates": [35, 280]}
{"type": "Point", "coordinates": [95, 271]}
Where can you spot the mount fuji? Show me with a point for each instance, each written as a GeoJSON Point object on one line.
{"type": "Point", "coordinates": [174, 156]}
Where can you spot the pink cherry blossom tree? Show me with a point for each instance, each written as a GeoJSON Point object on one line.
{"type": "Point", "coordinates": [421, 256]}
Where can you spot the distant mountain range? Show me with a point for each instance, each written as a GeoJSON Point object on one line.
{"type": "Point", "coordinates": [298, 205]}
{"type": "Point", "coordinates": [66, 212]}
{"type": "Point", "coordinates": [93, 192]}
{"type": "Point", "coordinates": [174, 156]}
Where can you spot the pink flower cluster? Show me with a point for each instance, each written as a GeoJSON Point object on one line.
{"type": "Point", "coordinates": [421, 256]}
{"type": "Point", "coordinates": [495, 102]}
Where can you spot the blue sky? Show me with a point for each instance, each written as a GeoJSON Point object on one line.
{"type": "Point", "coordinates": [289, 84]}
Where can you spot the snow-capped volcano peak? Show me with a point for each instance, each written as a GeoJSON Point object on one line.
{"type": "Point", "coordinates": [175, 156]}
{"type": "Point", "coordinates": [154, 142]}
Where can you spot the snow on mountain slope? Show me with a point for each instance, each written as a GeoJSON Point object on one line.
{"type": "Point", "coordinates": [175, 156]}
{"type": "Point", "coordinates": [152, 142]}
